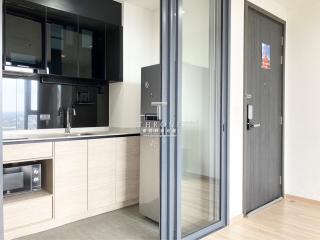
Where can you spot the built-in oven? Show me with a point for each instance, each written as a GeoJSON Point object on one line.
{"type": "Point", "coordinates": [21, 178]}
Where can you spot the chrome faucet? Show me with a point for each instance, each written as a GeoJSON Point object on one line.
{"type": "Point", "coordinates": [68, 128]}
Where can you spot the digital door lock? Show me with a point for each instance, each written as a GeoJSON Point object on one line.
{"type": "Point", "coordinates": [250, 122]}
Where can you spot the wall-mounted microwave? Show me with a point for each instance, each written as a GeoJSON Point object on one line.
{"type": "Point", "coordinates": [21, 179]}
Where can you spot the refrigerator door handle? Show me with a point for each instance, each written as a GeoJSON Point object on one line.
{"type": "Point", "coordinates": [159, 106]}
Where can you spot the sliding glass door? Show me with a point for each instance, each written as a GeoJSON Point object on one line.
{"type": "Point", "coordinates": [201, 108]}
{"type": "Point", "coordinates": [194, 145]}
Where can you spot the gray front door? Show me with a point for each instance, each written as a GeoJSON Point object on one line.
{"type": "Point", "coordinates": [263, 109]}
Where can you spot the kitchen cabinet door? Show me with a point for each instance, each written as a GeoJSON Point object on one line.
{"type": "Point", "coordinates": [127, 168]}
{"type": "Point", "coordinates": [101, 172]}
{"type": "Point", "coordinates": [62, 43]}
{"type": "Point", "coordinates": [92, 49]}
{"type": "Point", "coordinates": [24, 34]}
{"type": "Point", "coordinates": [114, 53]}
{"type": "Point", "coordinates": [70, 179]}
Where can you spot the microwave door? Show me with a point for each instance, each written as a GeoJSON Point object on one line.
{"type": "Point", "coordinates": [27, 170]}
{"type": "Point", "coordinates": [13, 182]}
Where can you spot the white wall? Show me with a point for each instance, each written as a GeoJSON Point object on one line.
{"type": "Point", "coordinates": [140, 48]}
{"type": "Point", "coordinates": [236, 93]}
{"type": "Point", "coordinates": [302, 151]}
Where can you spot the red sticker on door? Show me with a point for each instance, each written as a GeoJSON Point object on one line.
{"type": "Point", "coordinates": [266, 56]}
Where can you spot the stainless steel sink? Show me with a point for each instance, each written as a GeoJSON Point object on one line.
{"type": "Point", "coordinates": [79, 134]}
{"type": "Point", "coordinates": [87, 134]}
{"type": "Point", "coordinates": [46, 135]}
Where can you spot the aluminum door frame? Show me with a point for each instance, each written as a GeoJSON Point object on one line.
{"type": "Point", "coordinates": [1, 134]}
{"type": "Point", "coordinates": [168, 183]}
{"type": "Point", "coordinates": [171, 159]}
{"type": "Point", "coordinates": [284, 23]}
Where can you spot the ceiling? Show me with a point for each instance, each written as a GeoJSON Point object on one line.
{"type": "Point", "coordinates": [148, 4]}
{"type": "Point", "coordinates": [291, 5]}
{"type": "Point", "coordinates": [296, 4]}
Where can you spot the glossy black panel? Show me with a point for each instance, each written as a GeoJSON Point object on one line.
{"type": "Point", "coordinates": [114, 55]}
{"type": "Point", "coordinates": [92, 42]}
{"type": "Point", "coordinates": [104, 10]}
{"type": "Point", "coordinates": [24, 34]}
{"type": "Point", "coordinates": [65, 44]}
{"type": "Point", "coordinates": [29, 104]}
{"type": "Point", "coordinates": [62, 43]}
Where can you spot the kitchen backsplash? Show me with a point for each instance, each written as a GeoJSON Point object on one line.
{"type": "Point", "coordinates": [29, 104]}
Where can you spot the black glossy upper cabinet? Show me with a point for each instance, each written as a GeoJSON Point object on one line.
{"type": "Point", "coordinates": [108, 11]}
{"type": "Point", "coordinates": [81, 45]}
{"type": "Point", "coordinates": [62, 43]}
{"type": "Point", "coordinates": [24, 34]}
{"type": "Point", "coordinates": [114, 53]}
{"type": "Point", "coordinates": [92, 49]}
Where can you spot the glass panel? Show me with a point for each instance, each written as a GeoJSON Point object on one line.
{"type": "Point", "coordinates": [22, 102]}
{"type": "Point", "coordinates": [9, 107]}
{"type": "Point", "coordinates": [92, 49]}
{"type": "Point", "coordinates": [200, 196]}
{"type": "Point", "coordinates": [29, 104]}
{"type": "Point", "coordinates": [24, 34]}
{"type": "Point", "coordinates": [34, 96]}
{"type": "Point", "coordinates": [62, 43]}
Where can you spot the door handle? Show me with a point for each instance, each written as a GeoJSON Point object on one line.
{"type": "Point", "coordinates": [257, 125]}
{"type": "Point", "coordinates": [251, 125]}
{"type": "Point", "coordinates": [159, 106]}
{"type": "Point", "coordinates": [250, 121]}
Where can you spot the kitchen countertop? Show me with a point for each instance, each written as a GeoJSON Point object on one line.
{"type": "Point", "coordinates": [59, 135]}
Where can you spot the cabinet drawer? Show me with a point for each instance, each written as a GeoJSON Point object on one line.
{"type": "Point", "coordinates": [26, 212]}
{"type": "Point", "coordinates": [17, 152]}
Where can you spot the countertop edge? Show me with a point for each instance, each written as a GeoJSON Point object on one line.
{"type": "Point", "coordinates": [73, 138]}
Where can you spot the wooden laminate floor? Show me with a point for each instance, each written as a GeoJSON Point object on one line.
{"type": "Point", "coordinates": [290, 219]}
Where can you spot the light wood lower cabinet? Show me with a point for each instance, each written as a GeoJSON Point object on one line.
{"type": "Point", "coordinates": [101, 173]}
{"type": "Point", "coordinates": [113, 171]}
{"type": "Point", "coordinates": [127, 168]}
{"type": "Point", "coordinates": [25, 209]}
{"type": "Point", "coordinates": [28, 151]}
{"type": "Point", "coordinates": [70, 179]}
{"type": "Point", "coordinates": [84, 178]}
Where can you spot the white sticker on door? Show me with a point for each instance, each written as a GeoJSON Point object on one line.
{"type": "Point", "coordinates": [266, 56]}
